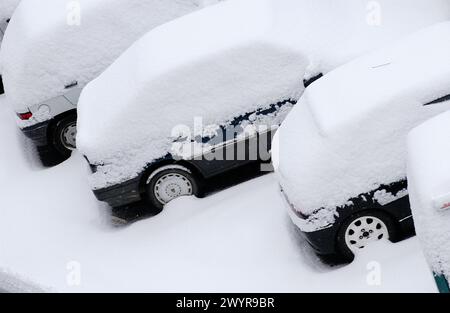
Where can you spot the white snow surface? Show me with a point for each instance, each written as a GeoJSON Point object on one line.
{"type": "Point", "coordinates": [47, 46]}
{"type": "Point", "coordinates": [347, 135]}
{"type": "Point", "coordinates": [51, 226]}
{"type": "Point", "coordinates": [429, 180]}
{"type": "Point", "coordinates": [7, 8]}
{"type": "Point", "coordinates": [218, 64]}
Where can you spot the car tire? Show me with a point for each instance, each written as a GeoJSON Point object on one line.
{"type": "Point", "coordinates": [168, 183]}
{"type": "Point", "coordinates": [64, 135]}
{"type": "Point", "coordinates": [364, 228]}
{"type": "Point", "coordinates": [49, 156]}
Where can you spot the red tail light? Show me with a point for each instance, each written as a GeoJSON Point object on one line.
{"type": "Point", "coordinates": [25, 116]}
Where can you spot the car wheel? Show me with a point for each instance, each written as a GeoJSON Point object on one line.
{"type": "Point", "coordinates": [362, 229]}
{"type": "Point", "coordinates": [64, 135]}
{"type": "Point", "coordinates": [49, 156]}
{"type": "Point", "coordinates": [168, 183]}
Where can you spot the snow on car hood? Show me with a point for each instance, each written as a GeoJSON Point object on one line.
{"type": "Point", "coordinates": [52, 43]}
{"type": "Point", "coordinates": [429, 186]}
{"type": "Point", "coordinates": [347, 135]}
{"type": "Point", "coordinates": [219, 63]}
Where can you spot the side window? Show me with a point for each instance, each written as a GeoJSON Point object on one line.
{"type": "Point", "coordinates": [440, 100]}
{"type": "Point", "coordinates": [217, 134]}
{"type": "Point", "coordinates": [309, 81]}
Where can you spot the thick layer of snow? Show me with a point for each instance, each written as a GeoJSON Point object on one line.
{"type": "Point", "coordinates": [52, 228]}
{"type": "Point", "coordinates": [347, 135]}
{"type": "Point", "coordinates": [7, 8]}
{"type": "Point", "coordinates": [429, 187]}
{"type": "Point", "coordinates": [218, 64]}
{"type": "Point", "coordinates": [52, 43]}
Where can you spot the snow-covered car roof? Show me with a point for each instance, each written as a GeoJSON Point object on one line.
{"type": "Point", "coordinates": [50, 54]}
{"type": "Point", "coordinates": [52, 43]}
{"type": "Point", "coordinates": [429, 186]}
{"type": "Point", "coordinates": [199, 65]}
{"type": "Point", "coordinates": [7, 8]}
{"type": "Point", "coordinates": [347, 136]}
{"type": "Point", "coordinates": [420, 63]}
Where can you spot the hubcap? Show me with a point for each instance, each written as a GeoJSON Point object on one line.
{"type": "Point", "coordinates": [363, 231]}
{"type": "Point", "coordinates": [172, 186]}
{"type": "Point", "coordinates": [69, 136]}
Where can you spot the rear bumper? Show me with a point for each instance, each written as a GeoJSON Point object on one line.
{"type": "Point", "coordinates": [120, 195]}
{"type": "Point", "coordinates": [38, 133]}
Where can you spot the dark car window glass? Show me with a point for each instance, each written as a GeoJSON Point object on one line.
{"type": "Point", "coordinates": [443, 99]}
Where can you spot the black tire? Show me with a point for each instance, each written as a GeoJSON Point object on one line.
{"type": "Point", "coordinates": [61, 126]}
{"type": "Point", "coordinates": [49, 156]}
{"type": "Point", "coordinates": [181, 172]}
{"type": "Point", "coordinates": [344, 252]}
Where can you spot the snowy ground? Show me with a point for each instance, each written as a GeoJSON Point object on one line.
{"type": "Point", "coordinates": [52, 232]}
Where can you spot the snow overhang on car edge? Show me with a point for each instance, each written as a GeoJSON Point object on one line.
{"type": "Point", "coordinates": [222, 130]}
{"type": "Point", "coordinates": [383, 195]}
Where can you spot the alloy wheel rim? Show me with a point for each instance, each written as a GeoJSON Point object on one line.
{"type": "Point", "coordinates": [172, 186]}
{"type": "Point", "coordinates": [69, 136]}
{"type": "Point", "coordinates": [363, 231]}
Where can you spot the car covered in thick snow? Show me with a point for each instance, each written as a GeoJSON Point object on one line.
{"type": "Point", "coordinates": [429, 189]}
{"type": "Point", "coordinates": [341, 153]}
{"type": "Point", "coordinates": [53, 48]}
{"type": "Point", "coordinates": [203, 94]}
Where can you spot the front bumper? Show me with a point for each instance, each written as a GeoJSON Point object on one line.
{"type": "Point", "coordinates": [120, 195]}
{"type": "Point", "coordinates": [321, 238]}
{"type": "Point", "coordinates": [38, 133]}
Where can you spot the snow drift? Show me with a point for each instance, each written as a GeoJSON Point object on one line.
{"type": "Point", "coordinates": [219, 63]}
{"type": "Point", "coordinates": [347, 135]}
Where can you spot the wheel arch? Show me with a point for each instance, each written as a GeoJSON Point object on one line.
{"type": "Point", "coordinates": [54, 122]}
{"type": "Point", "coordinates": [151, 168]}
{"type": "Point", "coordinates": [369, 208]}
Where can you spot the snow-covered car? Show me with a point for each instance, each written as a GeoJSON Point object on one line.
{"type": "Point", "coordinates": [429, 189]}
{"type": "Point", "coordinates": [341, 153]}
{"type": "Point", "coordinates": [53, 48]}
{"type": "Point", "coordinates": [239, 75]}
